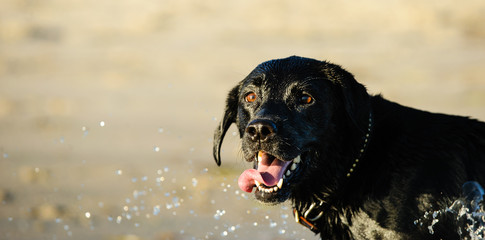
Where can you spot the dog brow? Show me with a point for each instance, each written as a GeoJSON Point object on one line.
{"type": "Point", "coordinates": [257, 80]}
{"type": "Point", "coordinates": [304, 84]}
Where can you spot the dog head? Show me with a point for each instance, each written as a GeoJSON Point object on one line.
{"type": "Point", "coordinates": [297, 118]}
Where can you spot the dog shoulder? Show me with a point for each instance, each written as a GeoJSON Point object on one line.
{"type": "Point", "coordinates": [364, 227]}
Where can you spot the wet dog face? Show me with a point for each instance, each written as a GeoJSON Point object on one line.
{"type": "Point", "coordinates": [288, 113]}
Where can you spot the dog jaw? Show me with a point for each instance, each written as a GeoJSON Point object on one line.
{"type": "Point", "coordinates": [270, 177]}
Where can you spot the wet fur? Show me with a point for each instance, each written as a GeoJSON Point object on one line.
{"type": "Point", "coordinates": [416, 161]}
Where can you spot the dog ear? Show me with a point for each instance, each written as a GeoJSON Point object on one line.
{"type": "Point", "coordinates": [230, 115]}
{"type": "Point", "coordinates": [355, 96]}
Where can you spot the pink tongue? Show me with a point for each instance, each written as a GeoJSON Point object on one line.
{"type": "Point", "coordinates": [270, 171]}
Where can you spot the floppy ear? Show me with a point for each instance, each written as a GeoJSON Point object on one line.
{"type": "Point", "coordinates": [230, 114]}
{"type": "Point", "coordinates": [355, 96]}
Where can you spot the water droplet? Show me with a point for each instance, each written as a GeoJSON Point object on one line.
{"type": "Point", "coordinates": [87, 215]}
{"type": "Point", "coordinates": [160, 130]}
{"type": "Point", "coordinates": [156, 149]}
{"type": "Point", "coordinates": [119, 172]}
{"type": "Point", "coordinates": [224, 233]}
{"type": "Point", "coordinates": [273, 224]}
{"type": "Point", "coordinates": [219, 213]}
{"type": "Point", "coordinates": [101, 124]}
{"type": "Point", "coordinates": [156, 210]}
{"type": "Point", "coordinates": [282, 231]}
{"type": "Point", "coordinates": [194, 182]}
{"type": "Point", "coordinates": [144, 178]}
{"type": "Point", "coordinates": [175, 201]}
{"type": "Point", "coordinates": [5, 155]}
{"type": "Point", "coordinates": [85, 130]}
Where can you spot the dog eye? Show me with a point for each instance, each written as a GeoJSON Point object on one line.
{"type": "Point", "coordinates": [306, 99]}
{"type": "Point", "coordinates": [251, 97]}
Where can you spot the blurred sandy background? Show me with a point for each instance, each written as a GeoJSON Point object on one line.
{"type": "Point", "coordinates": [107, 108]}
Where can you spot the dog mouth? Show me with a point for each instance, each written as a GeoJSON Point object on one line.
{"type": "Point", "coordinates": [270, 176]}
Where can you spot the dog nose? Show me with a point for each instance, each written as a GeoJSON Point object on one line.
{"type": "Point", "coordinates": [261, 130]}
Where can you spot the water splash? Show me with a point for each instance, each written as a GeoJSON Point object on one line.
{"type": "Point", "coordinates": [468, 213]}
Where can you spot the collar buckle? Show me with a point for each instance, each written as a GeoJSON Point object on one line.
{"type": "Point", "coordinates": [305, 220]}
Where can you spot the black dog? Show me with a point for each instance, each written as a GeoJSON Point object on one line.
{"type": "Point", "coordinates": [355, 166]}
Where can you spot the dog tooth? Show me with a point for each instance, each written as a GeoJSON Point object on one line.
{"type": "Point", "coordinates": [260, 156]}
{"type": "Point", "coordinates": [260, 188]}
{"type": "Point", "coordinates": [288, 173]}
{"type": "Point", "coordinates": [275, 189]}
{"type": "Point", "coordinates": [257, 183]}
{"type": "Point", "coordinates": [280, 183]}
{"type": "Point", "coordinates": [297, 160]}
{"type": "Point", "coordinates": [293, 167]}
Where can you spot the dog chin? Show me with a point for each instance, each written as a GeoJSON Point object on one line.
{"type": "Point", "coordinates": [272, 198]}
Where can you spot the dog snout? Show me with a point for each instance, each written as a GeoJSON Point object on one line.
{"type": "Point", "coordinates": [261, 130]}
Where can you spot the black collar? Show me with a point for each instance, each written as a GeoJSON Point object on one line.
{"type": "Point", "coordinates": [308, 217]}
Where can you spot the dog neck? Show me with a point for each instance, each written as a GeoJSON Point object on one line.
{"type": "Point", "coordinates": [362, 149]}
{"type": "Point", "coordinates": [308, 215]}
